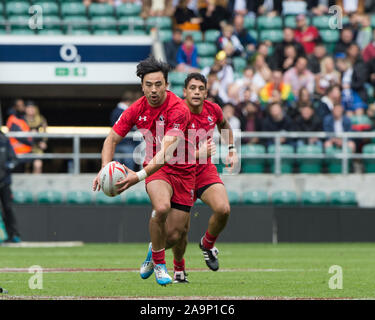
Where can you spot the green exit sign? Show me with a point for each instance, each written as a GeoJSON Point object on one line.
{"type": "Point", "coordinates": [62, 72]}
{"type": "Point", "coordinates": [73, 72]}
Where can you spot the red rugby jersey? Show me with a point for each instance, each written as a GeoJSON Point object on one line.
{"type": "Point", "coordinates": [171, 118]}
{"type": "Point", "coordinates": [203, 124]}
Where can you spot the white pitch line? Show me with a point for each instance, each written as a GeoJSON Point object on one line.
{"type": "Point", "coordinates": [85, 270]}
{"type": "Point", "coordinates": [9, 297]}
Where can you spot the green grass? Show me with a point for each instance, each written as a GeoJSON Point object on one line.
{"type": "Point", "coordinates": [285, 270]}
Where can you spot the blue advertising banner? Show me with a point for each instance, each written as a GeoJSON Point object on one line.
{"type": "Point", "coordinates": [72, 59]}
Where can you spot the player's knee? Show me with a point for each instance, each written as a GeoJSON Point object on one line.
{"type": "Point", "coordinates": [161, 212]}
{"type": "Point", "coordinates": [224, 211]}
{"type": "Point", "coordinates": [173, 237]}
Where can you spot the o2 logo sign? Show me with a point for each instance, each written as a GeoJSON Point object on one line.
{"type": "Point", "coordinates": [69, 53]}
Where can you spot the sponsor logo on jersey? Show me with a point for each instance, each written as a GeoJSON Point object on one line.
{"type": "Point", "coordinates": [142, 118]}
{"type": "Point", "coordinates": [209, 118]}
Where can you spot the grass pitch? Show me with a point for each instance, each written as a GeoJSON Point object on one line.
{"type": "Point", "coordinates": [247, 270]}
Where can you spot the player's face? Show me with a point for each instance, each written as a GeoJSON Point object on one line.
{"type": "Point", "coordinates": [195, 93]}
{"type": "Point", "coordinates": [154, 88]}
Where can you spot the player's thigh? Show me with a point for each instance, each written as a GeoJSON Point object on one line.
{"type": "Point", "coordinates": [215, 196]}
{"type": "Point", "coordinates": [178, 223]}
{"type": "Point", "coordinates": [160, 193]}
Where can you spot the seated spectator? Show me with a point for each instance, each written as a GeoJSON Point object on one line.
{"type": "Point", "coordinates": [369, 52]}
{"type": "Point", "coordinates": [37, 123]}
{"type": "Point", "coordinates": [346, 39]}
{"type": "Point", "coordinates": [364, 35]}
{"type": "Point", "coordinates": [16, 122]}
{"type": "Point", "coordinates": [326, 103]}
{"type": "Point", "coordinates": [279, 52]}
{"type": "Point", "coordinates": [270, 8]}
{"type": "Point", "coordinates": [171, 47]}
{"type": "Point", "coordinates": [318, 7]}
{"type": "Point", "coordinates": [299, 76]}
{"type": "Point", "coordinates": [247, 41]}
{"type": "Point", "coordinates": [306, 35]}
{"type": "Point", "coordinates": [262, 72]}
{"type": "Point", "coordinates": [233, 93]}
{"type": "Point", "coordinates": [337, 122]}
{"type": "Point", "coordinates": [266, 94]}
{"type": "Point", "coordinates": [153, 8]}
{"type": "Point", "coordinates": [370, 65]}
{"type": "Point", "coordinates": [351, 100]}
{"type": "Point", "coordinates": [276, 120]}
{"type": "Point", "coordinates": [315, 59]}
{"type": "Point", "coordinates": [350, 6]}
{"type": "Point", "coordinates": [328, 76]}
{"type": "Point", "coordinates": [185, 18]}
{"type": "Point", "coordinates": [360, 72]}
{"type": "Point", "coordinates": [213, 88]}
{"type": "Point", "coordinates": [229, 114]}
{"type": "Point", "coordinates": [224, 72]}
{"type": "Point", "coordinates": [187, 56]}
{"type": "Point", "coordinates": [213, 15]}
{"type": "Point", "coordinates": [290, 59]}
{"type": "Point", "coordinates": [242, 8]}
{"type": "Point", "coordinates": [304, 97]}
{"type": "Point", "coordinates": [250, 117]}
{"type": "Point", "coordinates": [263, 48]}
{"type": "Point", "coordinates": [229, 42]}
{"type": "Point", "coordinates": [308, 121]}
{"type": "Point", "coordinates": [246, 83]}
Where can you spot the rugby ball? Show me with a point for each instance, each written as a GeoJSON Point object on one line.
{"type": "Point", "coordinates": [109, 176]}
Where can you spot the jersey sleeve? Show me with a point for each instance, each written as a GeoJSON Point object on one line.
{"type": "Point", "coordinates": [177, 122]}
{"type": "Point", "coordinates": [126, 121]}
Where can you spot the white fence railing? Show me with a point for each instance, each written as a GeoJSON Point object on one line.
{"type": "Point", "coordinates": [76, 155]}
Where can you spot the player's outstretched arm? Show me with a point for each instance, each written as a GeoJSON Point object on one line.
{"type": "Point", "coordinates": [108, 151]}
{"type": "Point", "coordinates": [168, 146]}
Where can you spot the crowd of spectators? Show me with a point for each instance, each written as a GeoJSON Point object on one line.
{"type": "Point", "coordinates": [298, 84]}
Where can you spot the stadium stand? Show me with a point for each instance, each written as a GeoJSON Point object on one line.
{"type": "Point", "coordinates": [284, 197]}
{"type": "Point", "coordinates": [314, 197]}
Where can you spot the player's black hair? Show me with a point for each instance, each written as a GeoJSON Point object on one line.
{"type": "Point", "coordinates": [151, 65]}
{"type": "Point", "coordinates": [195, 76]}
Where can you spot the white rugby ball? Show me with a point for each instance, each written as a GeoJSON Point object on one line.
{"type": "Point", "coordinates": [109, 176]}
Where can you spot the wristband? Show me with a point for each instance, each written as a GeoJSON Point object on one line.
{"type": "Point", "coordinates": [141, 174]}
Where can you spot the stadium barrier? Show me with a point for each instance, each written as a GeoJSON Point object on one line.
{"type": "Point", "coordinates": [277, 156]}
{"type": "Point", "coordinates": [127, 223]}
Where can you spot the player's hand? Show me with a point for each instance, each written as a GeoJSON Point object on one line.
{"type": "Point", "coordinates": [96, 182]}
{"type": "Point", "coordinates": [207, 149]}
{"type": "Point", "coordinates": [130, 180]}
{"type": "Point", "coordinates": [231, 160]}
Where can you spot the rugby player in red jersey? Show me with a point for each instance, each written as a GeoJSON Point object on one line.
{"type": "Point", "coordinates": [162, 118]}
{"type": "Point", "coordinates": [205, 115]}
